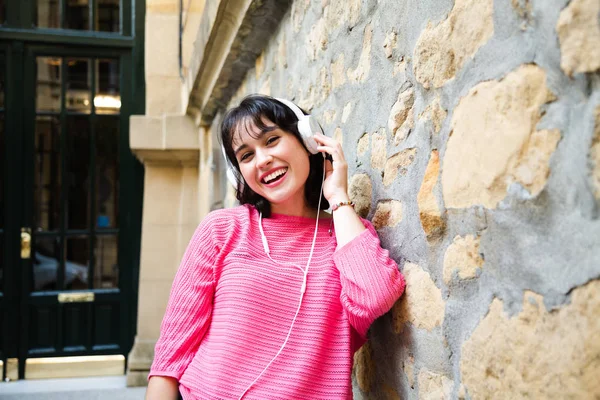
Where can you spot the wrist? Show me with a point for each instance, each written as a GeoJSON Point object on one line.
{"type": "Point", "coordinates": [338, 199]}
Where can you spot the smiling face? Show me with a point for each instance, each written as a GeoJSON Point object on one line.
{"type": "Point", "coordinates": [274, 164]}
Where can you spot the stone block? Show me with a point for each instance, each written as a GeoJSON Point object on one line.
{"type": "Point", "coordinates": [361, 72]}
{"type": "Point", "coordinates": [443, 49]}
{"type": "Point", "coordinates": [422, 304]}
{"type": "Point", "coordinates": [494, 141]}
{"type": "Point", "coordinates": [578, 30]}
{"type": "Point", "coordinates": [464, 257]}
{"type": "Point", "coordinates": [401, 117]}
{"type": "Point", "coordinates": [433, 386]}
{"type": "Point", "coordinates": [398, 164]}
{"type": "Point", "coordinates": [360, 192]}
{"type": "Point", "coordinates": [387, 214]}
{"type": "Point", "coordinates": [378, 149]}
{"type": "Point", "coordinates": [538, 353]}
{"type": "Point", "coordinates": [429, 212]}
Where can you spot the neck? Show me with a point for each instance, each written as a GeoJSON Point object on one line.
{"type": "Point", "coordinates": [297, 208]}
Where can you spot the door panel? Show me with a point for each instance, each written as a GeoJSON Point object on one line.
{"type": "Point", "coordinates": [72, 292]}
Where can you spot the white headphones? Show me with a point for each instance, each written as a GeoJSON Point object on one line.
{"type": "Point", "coordinates": [308, 126]}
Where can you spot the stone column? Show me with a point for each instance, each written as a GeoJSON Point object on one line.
{"type": "Point", "coordinates": [169, 148]}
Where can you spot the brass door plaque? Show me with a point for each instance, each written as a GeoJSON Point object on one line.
{"type": "Point", "coordinates": [76, 297]}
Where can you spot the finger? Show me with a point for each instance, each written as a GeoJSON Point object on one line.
{"type": "Point", "coordinates": [326, 140]}
{"type": "Point", "coordinates": [336, 154]}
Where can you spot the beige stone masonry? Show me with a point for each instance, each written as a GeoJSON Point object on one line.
{"type": "Point", "coordinates": [338, 78]}
{"type": "Point", "coordinates": [537, 353]}
{"type": "Point", "coordinates": [378, 149]}
{"type": "Point", "coordinates": [364, 367]}
{"type": "Point", "coordinates": [360, 191]}
{"type": "Point", "coordinates": [434, 386]}
{"type": "Point", "coordinates": [462, 256]}
{"type": "Point", "coordinates": [398, 164]}
{"type": "Point", "coordinates": [578, 30]}
{"type": "Point", "coordinates": [346, 112]}
{"type": "Point", "coordinates": [494, 141]}
{"type": "Point", "coordinates": [595, 155]}
{"type": "Point", "coordinates": [435, 113]}
{"type": "Point", "coordinates": [388, 213]}
{"type": "Point", "coordinates": [363, 145]}
{"type": "Point", "coordinates": [422, 304]}
{"type": "Point", "coordinates": [408, 366]}
{"type": "Point", "coordinates": [389, 45]}
{"type": "Point", "coordinates": [167, 140]}
{"type": "Point", "coordinates": [443, 49]}
{"type": "Point", "coordinates": [429, 211]}
{"type": "Point", "coordinates": [361, 72]}
{"type": "Point", "coordinates": [400, 121]}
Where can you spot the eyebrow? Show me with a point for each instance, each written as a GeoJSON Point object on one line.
{"type": "Point", "coordinates": [263, 132]}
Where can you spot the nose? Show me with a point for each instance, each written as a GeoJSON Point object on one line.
{"type": "Point", "coordinates": [263, 158]}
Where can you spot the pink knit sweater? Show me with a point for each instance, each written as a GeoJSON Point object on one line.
{"type": "Point", "coordinates": [231, 308]}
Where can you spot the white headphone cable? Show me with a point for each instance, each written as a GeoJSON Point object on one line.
{"type": "Point", "coordinates": [304, 279]}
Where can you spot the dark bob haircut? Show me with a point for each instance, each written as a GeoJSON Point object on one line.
{"type": "Point", "coordinates": [251, 112]}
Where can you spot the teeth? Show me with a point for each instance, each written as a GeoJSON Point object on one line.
{"type": "Point", "coordinates": [274, 175]}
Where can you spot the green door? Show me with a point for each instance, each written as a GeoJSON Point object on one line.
{"type": "Point", "coordinates": [69, 218]}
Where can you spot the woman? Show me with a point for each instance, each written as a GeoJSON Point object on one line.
{"type": "Point", "coordinates": [273, 297]}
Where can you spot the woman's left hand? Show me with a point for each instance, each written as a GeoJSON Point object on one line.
{"type": "Point", "coordinates": [335, 187]}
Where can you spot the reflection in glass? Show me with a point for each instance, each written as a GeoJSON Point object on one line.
{"type": "Point", "coordinates": [48, 14]}
{"type": "Point", "coordinates": [108, 96]}
{"type": "Point", "coordinates": [77, 14]}
{"type": "Point", "coordinates": [107, 171]}
{"type": "Point", "coordinates": [78, 172]}
{"type": "Point", "coordinates": [47, 177]}
{"type": "Point", "coordinates": [107, 15]}
{"type": "Point", "coordinates": [76, 263]}
{"type": "Point", "coordinates": [78, 85]}
{"type": "Point", "coordinates": [106, 273]}
{"type": "Point", "coordinates": [48, 84]}
{"type": "Point", "coordinates": [45, 257]}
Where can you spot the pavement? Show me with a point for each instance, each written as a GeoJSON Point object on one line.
{"type": "Point", "coordinates": [97, 388]}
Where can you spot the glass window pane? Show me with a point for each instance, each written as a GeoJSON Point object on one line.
{"type": "Point", "coordinates": [77, 14]}
{"type": "Point", "coordinates": [48, 14]}
{"type": "Point", "coordinates": [2, 12]}
{"type": "Point", "coordinates": [108, 15]}
{"type": "Point", "coordinates": [44, 260]}
{"type": "Point", "coordinates": [107, 172]}
{"type": "Point", "coordinates": [78, 85]}
{"type": "Point", "coordinates": [76, 262]}
{"type": "Point", "coordinates": [2, 71]}
{"type": "Point", "coordinates": [47, 174]}
{"type": "Point", "coordinates": [78, 172]}
{"type": "Point", "coordinates": [108, 92]}
{"type": "Point", "coordinates": [2, 158]}
{"type": "Point", "coordinates": [106, 273]}
{"type": "Point", "coordinates": [48, 84]}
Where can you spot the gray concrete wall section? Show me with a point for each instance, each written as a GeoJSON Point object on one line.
{"type": "Point", "coordinates": [547, 242]}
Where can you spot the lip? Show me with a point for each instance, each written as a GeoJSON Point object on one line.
{"type": "Point", "coordinates": [269, 172]}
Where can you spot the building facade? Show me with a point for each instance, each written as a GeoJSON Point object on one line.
{"type": "Point", "coordinates": [472, 132]}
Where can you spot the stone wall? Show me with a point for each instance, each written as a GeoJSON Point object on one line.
{"type": "Point", "coordinates": [472, 132]}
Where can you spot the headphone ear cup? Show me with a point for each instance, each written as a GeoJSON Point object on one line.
{"type": "Point", "coordinates": [306, 127]}
{"type": "Point", "coordinates": [231, 177]}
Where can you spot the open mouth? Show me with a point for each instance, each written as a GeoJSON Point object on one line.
{"type": "Point", "coordinates": [274, 176]}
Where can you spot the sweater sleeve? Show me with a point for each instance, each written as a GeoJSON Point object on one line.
{"type": "Point", "coordinates": [370, 279]}
{"type": "Point", "coordinates": [189, 309]}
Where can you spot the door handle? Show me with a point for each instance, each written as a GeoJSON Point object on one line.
{"type": "Point", "coordinates": [25, 243]}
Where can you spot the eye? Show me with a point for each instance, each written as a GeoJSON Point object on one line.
{"type": "Point", "coordinates": [245, 156]}
{"type": "Point", "coordinates": [272, 140]}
